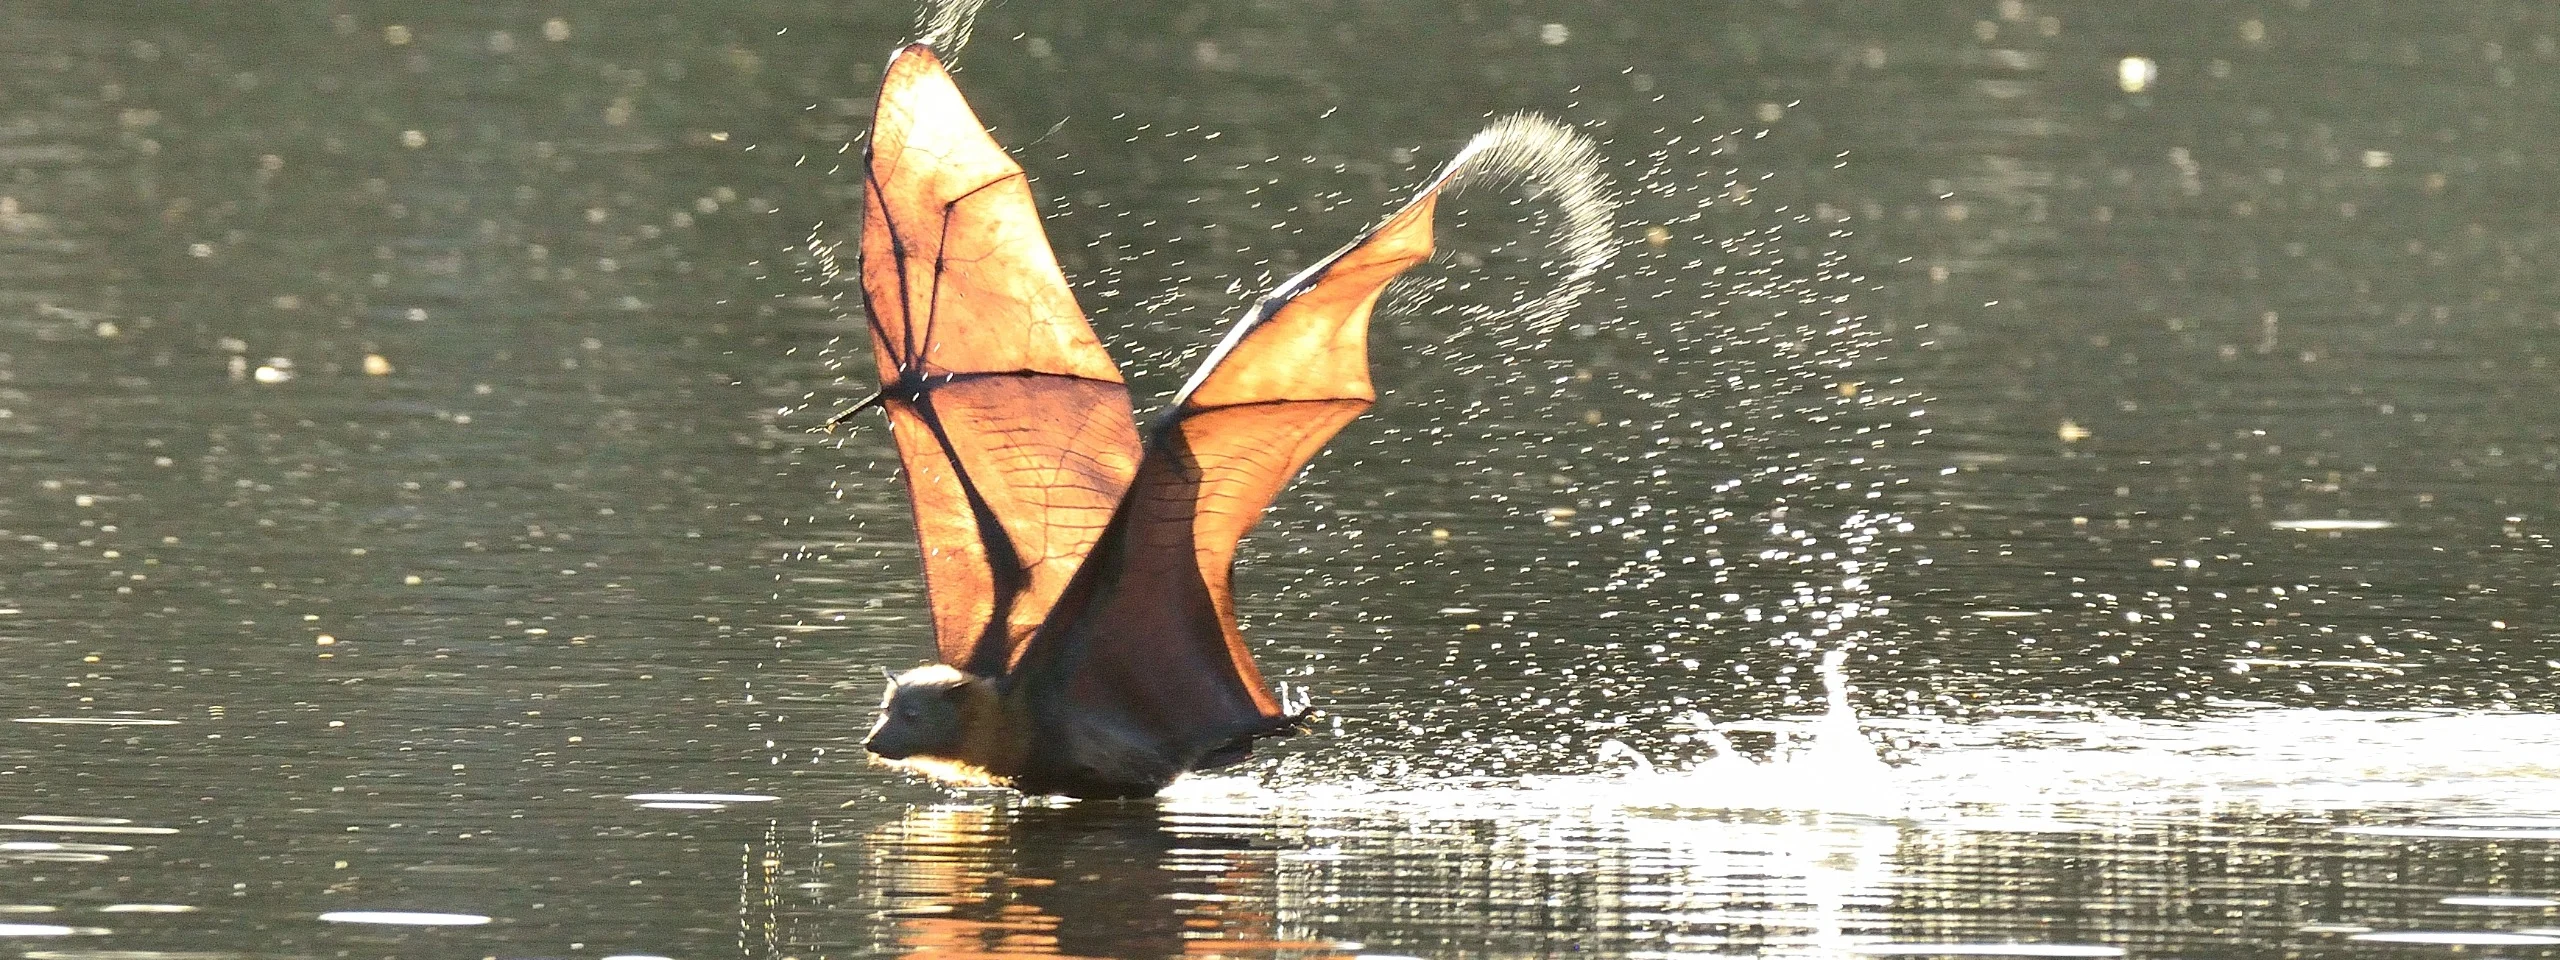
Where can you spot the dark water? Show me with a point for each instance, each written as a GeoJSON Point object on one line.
{"type": "Point", "coordinates": [405, 462]}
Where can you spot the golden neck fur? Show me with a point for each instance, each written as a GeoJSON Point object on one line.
{"type": "Point", "coordinates": [993, 740]}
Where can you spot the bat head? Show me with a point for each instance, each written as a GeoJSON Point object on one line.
{"type": "Point", "coordinates": [925, 713]}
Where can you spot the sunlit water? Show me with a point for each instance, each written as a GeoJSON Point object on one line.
{"type": "Point", "coordinates": [420, 548]}
{"type": "Point", "coordinates": [2032, 835]}
{"type": "Point", "coordinates": [2252, 757]}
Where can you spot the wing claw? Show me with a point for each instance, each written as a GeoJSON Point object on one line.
{"type": "Point", "coordinates": [851, 412]}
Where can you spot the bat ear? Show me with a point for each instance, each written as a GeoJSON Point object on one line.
{"type": "Point", "coordinates": [889, 692]}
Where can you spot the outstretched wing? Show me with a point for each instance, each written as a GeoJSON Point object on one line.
{"type": "Point", "coordinates": [1012, 422]}
{"type": "Point", "coordinates": [1150, 627]}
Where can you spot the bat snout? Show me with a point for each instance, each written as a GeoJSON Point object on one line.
{"type": "Point", "coordinates": [891, 740]}
{"type": "Point", "coordinates": [885, 743]}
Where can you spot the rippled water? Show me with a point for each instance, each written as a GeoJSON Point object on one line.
{"type": "Point", "coordinates": [422, 548]}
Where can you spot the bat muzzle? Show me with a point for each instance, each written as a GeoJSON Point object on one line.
{"type": "Point", "coordinates": [888, 742]}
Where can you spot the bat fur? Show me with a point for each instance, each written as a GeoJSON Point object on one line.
{"type": "Point", "coordinates": [968, 730]}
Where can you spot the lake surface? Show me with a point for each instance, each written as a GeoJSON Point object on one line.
{"type": "Point", "coordinates": [421, 546]}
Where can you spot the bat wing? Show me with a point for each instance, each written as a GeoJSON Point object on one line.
{"type": "Point", "coordinates": [1148, 633]}
{"type": "Point", "coordinates": [1012, 422]}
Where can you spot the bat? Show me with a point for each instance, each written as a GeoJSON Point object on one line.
{"type": "Point", "coordinates": [1080, 575]}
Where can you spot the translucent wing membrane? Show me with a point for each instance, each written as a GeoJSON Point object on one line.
{"type": "Point", "coordinates": [1152, 621]}
{"type": "Point", "coordinates": [1090, 578]}
{"type": "Point", "coordinates": [1011, 420]}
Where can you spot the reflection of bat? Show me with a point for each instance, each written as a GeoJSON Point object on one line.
{"type": "Point", "coordinates": [989, 883]}
{"type": "Point", "coordinates": [1080, 582]}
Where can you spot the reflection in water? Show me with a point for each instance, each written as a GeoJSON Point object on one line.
{"type": "Point", "coordinates": [1089, 880]}
{"type": "Point", "coordinates": [2032, 835]}
{"type": "Point", "coordinates": [1094, 880]}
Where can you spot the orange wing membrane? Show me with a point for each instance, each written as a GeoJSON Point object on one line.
{"type": "Point", "coordinates": [1082, 587]}
{"type": "Point", "coordinates": [1149, 629]}
{"type": "Point", "coordinates": [1011, 420]}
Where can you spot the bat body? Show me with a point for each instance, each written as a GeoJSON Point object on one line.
{"type": "Point", "coordinates": [1079, 575]}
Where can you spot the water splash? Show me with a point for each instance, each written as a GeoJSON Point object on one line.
{"type": "Point", "coordinates": [2042, 770]}
{"type": "Point", "coordinates": [1563, 175]}
{"type": "Point", "coordinates": [1824, 763]}
{"type": "Point", "coordinates": [945, 24]}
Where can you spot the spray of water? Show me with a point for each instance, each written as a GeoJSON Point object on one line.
{"type": "Point", "coordinates": [945, 24]}
{"type": "Point", "coordinates": [1559, 172]}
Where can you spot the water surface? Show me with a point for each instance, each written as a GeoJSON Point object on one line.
{"type": "Point", "coordinates": [422, 548]}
